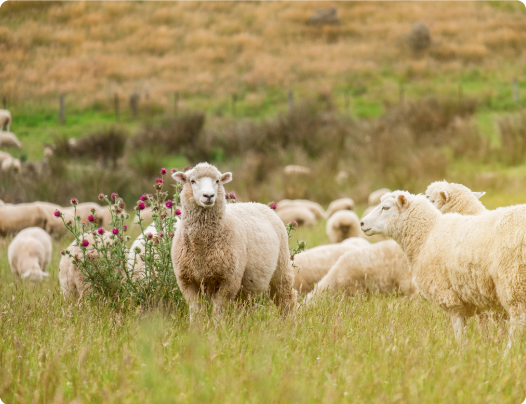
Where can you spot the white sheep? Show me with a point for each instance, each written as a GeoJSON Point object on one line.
{"type": "Point", "coordinates": [342, 225]}
{"type": "Point", "coordinates": [299, 214]}
{"type": "Point", "coordinates": [296, 170]}
{"type": "Point", "coordinates": [4, 156]}
{"type": "Point", "coordinates": [14, 218]}
{"type": "Point", "coordinates": [455, 198]}
{"type": "Point", "coordinates": [71, 277]}
{"type": "Point", "coordinates": [380, 267]}
{"type": "Point", "coordinates": [228, 250]}
{"type": "Point", "coordinates": [11, 163]}
{"type": "Point", "coordinates": [376, 196]}
{"type": "Point", "coordinates": [9, 139]}
{"type": "Point", "coordinates": [313, 264]}
{"type": "Point", "coordinates": [5, 119]}
{"type": "Point", "coordinates": [135, 262]}
{"type": "Point", "coordinates": [339, 204]}
{"type": "Point", "coordinates": [314, 207]}
{"type": "Point", "coordinates": [29, 254]}
{"type": "Point", "coordinates": [464, 264]}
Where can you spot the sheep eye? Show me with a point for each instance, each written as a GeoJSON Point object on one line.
{"type": "Point", "coordinates": [192, 182]}
{"type": "Point", "coordinates": [217, 182]}
{"type": "Point", "coordinates": [385, 208]}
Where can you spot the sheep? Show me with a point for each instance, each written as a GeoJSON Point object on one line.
{"type": "Point", "coordinates": [54, 225]}
{"type": "Point", "coordinates": [375, 197]}
{"type": "Point", "coordinates": [377, 237]}
{"type": "Point", "coordinates": [48, 152]}
{"type": "Point", "coordinates": [228, 250]}
{"type": "Point", "coordinates": [14, 218]}
{"type": "Point", "coordinates": [378, 267]}
{"type": "Point", "coordinates": [29, 254]}
{"type": "Point", "coordinates": [342, 177]}
{"type": "Point", "coordinates": [4, 156]}
{"type": "Point", "coordinates": [313, 264]}
{"type": "Point", "coordinates": [339, 204]}
{"type": "Point", "coordinates": [464, 264]}
{"type": "Point", "coordinates": [135, 263]}
{"type": "Point", "coordinates": [5, 119]}
{"type": "Point", "coordinates": [70, 276]}
{"type": "Point", "coordinates": [296, 170]}
{"type": "Point", "coordinates": [343, 224]}
{"type": "Point", "coordinates": [455, 198]}
{"type": "Point", "coordinates": [295, 180]}
{"type": "Point", "coordinates": [314, 207]}
{"type": "Point", "coordinates": [9, 139]}
{"type": "Point", "coordinates": [299, 214]}
{"type": "Point", "coordinates": [11, 164]}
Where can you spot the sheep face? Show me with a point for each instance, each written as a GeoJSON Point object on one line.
{"type": "Point", "coordinates": [202, 183]}
{"type": "Point", "coordinates": [34, 275]}
{"type": "Point", "coordinates": [440, 193]}
{"type": "Point", "coordinates": [392, 205]}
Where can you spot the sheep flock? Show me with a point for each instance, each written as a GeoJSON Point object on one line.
{"type": "Point", "coordinates": [443, 246]}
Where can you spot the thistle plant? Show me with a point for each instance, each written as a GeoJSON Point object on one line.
{"type": "Point", "coordinates": [300, 244]}
{"type": "Point", "coordinates": [114, 274]}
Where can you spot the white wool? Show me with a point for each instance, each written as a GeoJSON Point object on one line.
{"type": "Point", "coordinates": [29, 254]}
{"type": "Point", "coordinates": [14, 218]}
{"type": "Point", "coordinates": [339, 204]}
{"type": "Point", "coordinates": [343, 224]}
{"type": "Point", "coordinates": [314, 207]}
{"type": "Point", "coordinates": [134, 257]}
{"type": "Point", "coordinates": [9, 139]}
{"type": "Point", "coordinates": [376, 196]}
{"type": "Point", "coordinates": [5, 119]}
{"type": "Point", "coordinates": [299, 214]}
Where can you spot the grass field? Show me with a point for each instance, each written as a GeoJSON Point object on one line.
{"type": "Point", "coordinates": [377, 349]}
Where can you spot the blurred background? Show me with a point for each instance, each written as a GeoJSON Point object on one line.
{"type": "Point", "coordinates": [362, 95]}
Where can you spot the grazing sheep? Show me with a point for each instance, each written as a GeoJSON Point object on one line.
{"type": "Point", "coordinates": [299, 214]}
{"type": "Point", "coordinates": [375, 197]}
{"type": "Point", "coordinates": [71, 277]}
{"type": "Point", "coordinates": [380, 267]}
{"type": "Point", "coordinates": [14, 218]}
{"type": "Point", "coordinates": [135, 257]}
{"type": "Point", "coordinates": [5, 119]}
{"type": "Point", "coordinates": [296, 170]}
{"type": "Point", "coordinates": [343, 224]}
{"type": "Point", "coordinates": [339, 204]}
{"type": "Point", "coordinates": [228, 250]}
{"type": "Point", "coordinates": [9, 139]}
{"type": "Point", "coordinates": [314, 207]}
{"type": "Point", "coordinates": [54, 225]}
{"type": "Point", "coordinates": [313, 264]}
{"type": "Point", "coordinates": [4, 156]}
{"type": "Point", "coordinates": [455, 198]}
{"type": "Point", "coordinates": [29, 254]}
{"type": "Point", "coordinates": [11, 164]}
{"type": "Point", "coordinates": [464, 264]}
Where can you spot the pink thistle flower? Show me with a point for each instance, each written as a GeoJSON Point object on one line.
{"type": "Point", "coordinates": [177, 212]}
{"type": "Point", "coordinates": [161, 234]}
{"type": "Point", "coordinates": [57, 213]}
{"type": "Point", "coordinates": [62, 252]}
{"type": "Point", "coordinates": [91, 218]}
{"type": "Point", "coordinates": [74, 201]}
{"type": "Point", "coordinates": [114, 195]}
{"type": "Point", "coordinates": [101, 230]}
{"type": "Point", "coordinates": [141, 206]}
{"type": "Point", "coordinates": [273, 207]}
{"type": "Point", "coordinates": [163, 171]}
{"type": "Point", "coordinates": [232, 195]}
{"type": "Point", "coordinates": [150, 235]}
{"type": "Point", "coordinates": [159, 180]}
{"type": "Point", "coordinates": [144, 197]}
{"type": "Point", "coordinates": [85, 243]}
{"type": "Point", "coordinates": [125, 227]}
{"type": "Point", "coordinates": [115, 230]}
{"type": "Point", "coordinates": [294, 223]}
{"type": "Point", "coordinates": [101, 196]}
{"type": "Point", "coordinates": [174, 170]}
{"type": "Point", "coordinates": [171, 234]}
{"type": "Point", "coordinates": [169, 204]}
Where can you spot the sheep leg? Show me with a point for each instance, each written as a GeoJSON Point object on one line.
{"type": "Point", "coordinates": [459, 326]}
{"type": "Point", "coordinates": [516, 326]}
{"type": "Point", "coordinates": [191, 295]}
{"type": "Point", "coordinates": [281, 286]}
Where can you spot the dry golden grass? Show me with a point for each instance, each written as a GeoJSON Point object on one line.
{"type": "Point", "coordinates": [92, 50]}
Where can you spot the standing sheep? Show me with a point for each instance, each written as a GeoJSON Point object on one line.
{"type": "Point", "coordinates": [9, 139]}
{"type": "Point", "coordinates": [339, 204]}
{"type": "Point", "coordinates": [378, 267]}
{"type": "Point", "coordinates": [455, 198]}
{"type": "Point", "coordinates": [342, 225]}
{"type": "Point", "coordinates": [29, 254]}
{"type": "Point", "coordinates": [11, 164]}
{"type": "Point", "coordinates": [314, 263]}
{"type": "Point", "coordinates": [228, 251]}
{"type": "Point", "coordinates": [14, 218]}
{"type": "Point", "coordinates": [464, 264]}
{"type": "Point", "coordinates": [5, 119]}
{"type": "Point", "coordinates": [135, 262]}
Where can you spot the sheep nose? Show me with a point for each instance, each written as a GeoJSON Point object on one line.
{"type": "Point", "coordinates": [210, 196]}
{"type": "Point", "coordinates": [361, 224]}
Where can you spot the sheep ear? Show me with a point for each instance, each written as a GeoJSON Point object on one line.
{"type": "Point", "coordinates": [402, 202]}
{"type": "Point", "coordinates": [179, 176]}
{"type": "Point", "coordinates": [479, 194]}
{"type": "Point", "coordinates": [444, 196]}
{"type": "Point", "coordinates": [225, 178]}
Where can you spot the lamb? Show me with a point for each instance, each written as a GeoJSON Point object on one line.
{"type": "Point", "coordinates": [314, 207]}
{"type": "Point", "coordinates": [29, 254]}
{"type": "Point", "coordinates": [5, 119]}
{"type": "Point", "coordinates": [378, 267]}
{"type": "Point", "coordinates": [11, 164]}
{"type": "Point", "coordinates": [339, 204]}
{"type": "Point", "coordinates": [455, 198]}
{"type": "Point", "coordinates": [343, 224]}
{"type": "Point", "coordinates": [299, 214]}
{"type": "Point", "coordinates": [14, 218]}
{"type": "Point", "coordinates": [71, 277]}
{"type": "Point", "coordinates": [228, 250]}
{"type": "Point", "coordinates": [134, 260]}
{"type": "Point", "coordinates": [375, 197]}
{"type": "Point", "coordinates": [9, 139]}
{"type": "Point", "coordinates": [484, 271]}
{"type": "Point", "coordinates": [313, 264]}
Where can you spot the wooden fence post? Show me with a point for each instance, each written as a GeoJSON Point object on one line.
{"type": "Point", "coordinates": [134, 103]}
{"type": "Point", "coordinates": [62, 113]}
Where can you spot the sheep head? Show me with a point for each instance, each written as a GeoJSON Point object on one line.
{"type": "Point", "coordinates": [445, 195]}
{"type": "Point", "coordinates": [202, 185]}
{"type": "Point", "coordinates": [35, 275]}
{"type": "Point", "coordinates": [392, 205]}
